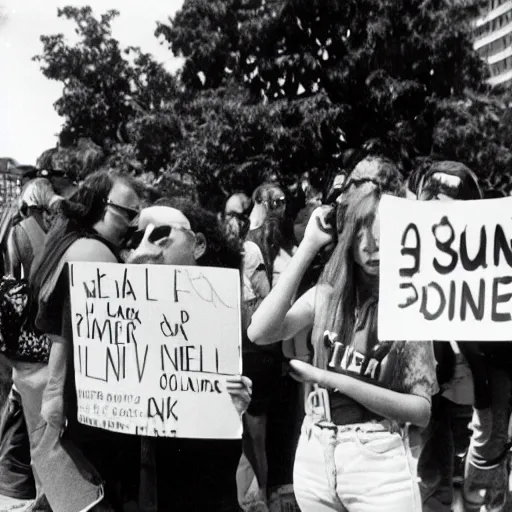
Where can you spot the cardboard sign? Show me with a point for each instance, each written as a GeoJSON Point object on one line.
{"type": "Point", "coordinates": [153, 346]}
{"type": "Point", "coordinates": [445, 270]}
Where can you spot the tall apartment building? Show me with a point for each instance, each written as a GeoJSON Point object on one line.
{"type": "Point", "coordinates": [493, 40]}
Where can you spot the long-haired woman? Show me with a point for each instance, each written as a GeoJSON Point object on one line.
{"type": "Point", "coordinates": [353, 453]}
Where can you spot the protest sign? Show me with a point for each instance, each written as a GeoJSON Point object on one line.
{"type": "Point", "coordinates": [445, 270]}
{"type": "Point", "coordinates": [153, 346]}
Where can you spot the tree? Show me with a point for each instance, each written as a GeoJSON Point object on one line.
{"type": "Point", "coordinates": [477, 129]}
{"type": "Point", "coordinates": [105, 86]}
{"type": "Point", "coordinates": [332, 75]}
{"type": "Point", "coordinates": [279, 87]}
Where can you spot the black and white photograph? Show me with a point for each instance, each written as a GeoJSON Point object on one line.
{"type": "Point", "coordinates": [256, 256]}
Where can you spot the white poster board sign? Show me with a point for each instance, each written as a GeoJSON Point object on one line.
{"type": "Point", "coordinates": [445, 270]}
{"type": "Point", "coordinates": [153, 346]}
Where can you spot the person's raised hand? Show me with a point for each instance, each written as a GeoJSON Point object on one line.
{"type": "Point", "coordinates": [318, 232]}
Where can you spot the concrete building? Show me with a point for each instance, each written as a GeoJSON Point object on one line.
{"type": "Point", "coordinates": [493, 40]}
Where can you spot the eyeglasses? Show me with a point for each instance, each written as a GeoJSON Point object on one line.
{"type": "Point", "coordinates": [130, 213]}
{"type": "Point", "coordinates": [276, 203]}
{"type": "Point", "coordinates": [242, 217]}
{"type": "Point", "coordinates": [440, 183]}
{"type": "Point", "coordinates": [134, 238]}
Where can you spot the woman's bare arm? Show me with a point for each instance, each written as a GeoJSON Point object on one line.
{"type": "Point", "coordinates": [382, 401]}
{"type": "Point", "coordinates": [276, 319]}
{"type": "Point", "coordinates": [405, 408]}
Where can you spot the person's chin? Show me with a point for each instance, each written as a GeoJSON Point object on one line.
{"type": "Point", "coordinates": [145, 260]}
{"type": "Point", "coordinates": [372, 269]}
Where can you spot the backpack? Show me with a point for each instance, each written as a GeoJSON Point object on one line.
{"type": "Point", "coordinates": [19, 339]}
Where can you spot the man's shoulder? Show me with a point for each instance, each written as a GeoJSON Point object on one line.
{"type": "Point", "coordinates": [89, 249]}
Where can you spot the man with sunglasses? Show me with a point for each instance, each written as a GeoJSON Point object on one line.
{"type": "Point", "coordinates": [192, 474]}
{"type": "Point", "coordinates": [236, 215]}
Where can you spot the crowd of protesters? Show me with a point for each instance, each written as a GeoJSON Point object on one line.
{"type": "Point", "coordinates": [355, 424]}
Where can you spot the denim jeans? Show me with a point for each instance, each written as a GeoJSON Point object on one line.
{"type": "Point", "coordinates": [486, 462]}
{"type": "Point", "coordinates": [364, 467]}
{"type": "Point", "coordinates": [30, 380]}
{"type": "Point", "coordinates": [436, 461]}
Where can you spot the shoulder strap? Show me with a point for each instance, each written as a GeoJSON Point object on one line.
{"type": "Point", "coordinates": [38, 217]}
{"type": "Point", "coordinates": [34, 231]}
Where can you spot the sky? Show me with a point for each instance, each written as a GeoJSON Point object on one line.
{"type": "Point", "coordinates": [28, 121]}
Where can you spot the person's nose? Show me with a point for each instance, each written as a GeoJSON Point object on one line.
{"type": "Point", "coordinates": [371, 245]}
{"type": "Point", "coordinates": [145, 249]}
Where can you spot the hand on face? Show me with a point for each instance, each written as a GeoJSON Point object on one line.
{"type": "Point", "coordinates": [122, 206]}
{"type": "Point", "coordinates": [240, 389]}
{"type": "Point", "coordinates": [318, 233]}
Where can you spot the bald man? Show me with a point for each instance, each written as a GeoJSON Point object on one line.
{"type": "Point", "coordinates": [193, 474]}
{"type": "Point", "coordinates": [236, 215]}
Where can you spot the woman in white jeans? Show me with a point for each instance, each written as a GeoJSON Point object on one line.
{"type": "Point", "coordinates": [353, 454]}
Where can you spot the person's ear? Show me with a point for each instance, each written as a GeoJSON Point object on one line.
{"type": "Point", "coordinates": [200, 247]}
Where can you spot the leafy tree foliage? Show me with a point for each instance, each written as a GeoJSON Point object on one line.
{"type": "Point", "coordinates": [477, 129]}
{"type": "Point", "coordinates": [330, 75]}
{"type": "Point", "coordinates": [104, 85]}
{"type": "Point", "coordinates": [279, 88]}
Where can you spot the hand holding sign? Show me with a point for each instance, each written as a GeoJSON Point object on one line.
{"type": "Point", "coordinates": [240, 389]}
{"type": "Point", "coordinates": [157, 349]}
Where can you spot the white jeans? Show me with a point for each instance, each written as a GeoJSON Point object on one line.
{"type": "Point", "coordinates": [365, 467]}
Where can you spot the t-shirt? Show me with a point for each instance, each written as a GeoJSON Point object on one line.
{"type": "Point", "coordinates": [256, 284]}
{"type": "Point", "coordinates": [256, 288]}
{"type": "Point", "coordinates": [26, 239]}
{"type": "Point", "coordinates": [404, 366]}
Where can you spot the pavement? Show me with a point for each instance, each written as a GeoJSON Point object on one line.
{"type": "Point", "coordinates": [8, 504]}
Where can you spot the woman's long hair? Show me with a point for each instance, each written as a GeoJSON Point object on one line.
{"type": "Point", "coordinates": [336, 297]}
{"type": "Point", "coordinates": [78, 215]}
{"type": "Point", "coordinates": [270, 236]}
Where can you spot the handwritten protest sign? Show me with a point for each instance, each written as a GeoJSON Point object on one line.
{"type": "Point", "coordinates": [445, 270]}
{"type": "Point", "coordinates": [153, 346]}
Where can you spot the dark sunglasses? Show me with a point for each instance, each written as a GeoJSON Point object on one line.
{"type": "Point", "coordinates": [135, 236]}
{"type": "Point", "coordinates": [242, 217]}
{"type": "Point", "coordinates": [439, 183]}
{"type": "Point", "coordinates": [130, 213]}
{"type": "Point", "coordinates": [276, 203]}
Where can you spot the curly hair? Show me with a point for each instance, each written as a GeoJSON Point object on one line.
{"type": "Point", "coordinates": [220, 250]}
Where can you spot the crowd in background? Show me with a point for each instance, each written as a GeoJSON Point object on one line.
{"type": "Point", "coordinates": [353, 423]}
